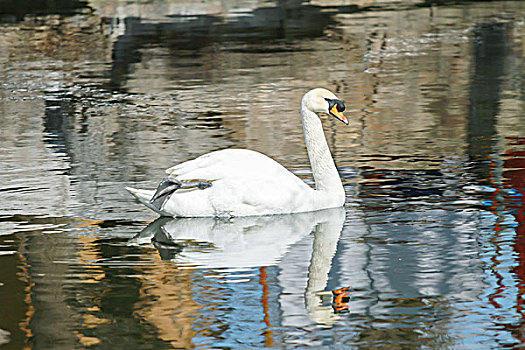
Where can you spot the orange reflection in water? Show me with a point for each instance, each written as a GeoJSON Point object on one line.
{"type": "Point", "coordinates": [263, 281]}
{"type": "Point", "coordinates": [94, 273]}
{"type": "Point", "coordinates": [30, 311]}
{"type": "Point", "coordinates": [167, 302]}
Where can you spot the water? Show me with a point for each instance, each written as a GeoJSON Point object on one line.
{"type": "Point", "coordinates": [426, 254]}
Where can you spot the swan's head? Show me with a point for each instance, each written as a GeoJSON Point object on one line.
{"type": "Point", "coordinates": [323, 101]}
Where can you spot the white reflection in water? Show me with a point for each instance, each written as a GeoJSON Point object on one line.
{"type": "Point", "coordinates": [245, 242]}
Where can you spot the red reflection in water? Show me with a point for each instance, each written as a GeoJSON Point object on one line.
{"type": "Point", "coordinates": [514, 179]}
{"type": "Point", "coordinates": [511, 195]}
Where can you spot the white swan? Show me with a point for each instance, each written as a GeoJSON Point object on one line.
{"type": "Point", "coordinates": [238, 182]}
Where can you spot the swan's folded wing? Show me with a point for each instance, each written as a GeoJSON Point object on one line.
{"type": "Point", "coordinates": [224, 164]}
{"type": "Point", "coordinates": [242, 183]}
{"type": "Point", "coordinates": [202, 162]}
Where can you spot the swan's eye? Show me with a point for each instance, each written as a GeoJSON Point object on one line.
{"type": "Point", "coordinates": [340, 106]}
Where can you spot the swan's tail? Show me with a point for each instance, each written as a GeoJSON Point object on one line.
{"type": "Point", "coordinates": [144, 196]}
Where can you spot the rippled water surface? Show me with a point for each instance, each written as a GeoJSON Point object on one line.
{"type": "Point", "coordinates": [428, 252]}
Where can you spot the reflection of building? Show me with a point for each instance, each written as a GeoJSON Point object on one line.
{"type": "Point", "coordinates": [167, 303]}
{"type": "Point", "coordinates": [196, 55]}
{"type": "Point", "coordinates": [497, 147]}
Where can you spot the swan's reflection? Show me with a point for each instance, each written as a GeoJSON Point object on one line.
{"type": "Point", "coordinates": [246, 242]}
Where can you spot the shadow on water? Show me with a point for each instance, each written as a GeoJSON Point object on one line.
{"type": "Point", "coordinates": [13, 10]}
{"type": "Point", "coordinates": [428, 251]}
{"type": "Point", "coordinates": [197, 36]}
{"type": "Point", "coordinates": [490, 52]}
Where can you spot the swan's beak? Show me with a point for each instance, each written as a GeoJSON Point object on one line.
{"type": "Point", "coordinates": [339, 115]}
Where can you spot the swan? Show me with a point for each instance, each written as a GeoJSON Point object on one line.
{"type": "Point", "coordinates": [240, 182]}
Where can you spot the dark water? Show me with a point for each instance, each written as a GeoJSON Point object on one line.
{"type": "Point", "coordinates": [428, 253]}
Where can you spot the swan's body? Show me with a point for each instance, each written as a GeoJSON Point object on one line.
{"type": "Point", "coordinates": [239, 182]}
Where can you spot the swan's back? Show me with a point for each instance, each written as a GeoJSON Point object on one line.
{"type": "Point", "coordinates": [226, 163]}
{"type": "Point", "coordinates": [243, 182]}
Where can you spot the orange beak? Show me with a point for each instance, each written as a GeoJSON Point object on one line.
{"type": "Point", "coordinates": [338, 115]}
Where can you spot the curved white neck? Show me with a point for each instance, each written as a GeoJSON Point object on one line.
{"type": "Point", "coordinates": [323, 167]}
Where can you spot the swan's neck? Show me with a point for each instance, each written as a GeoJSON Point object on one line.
{"type": "Point", "coordinates": [323, 168]}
